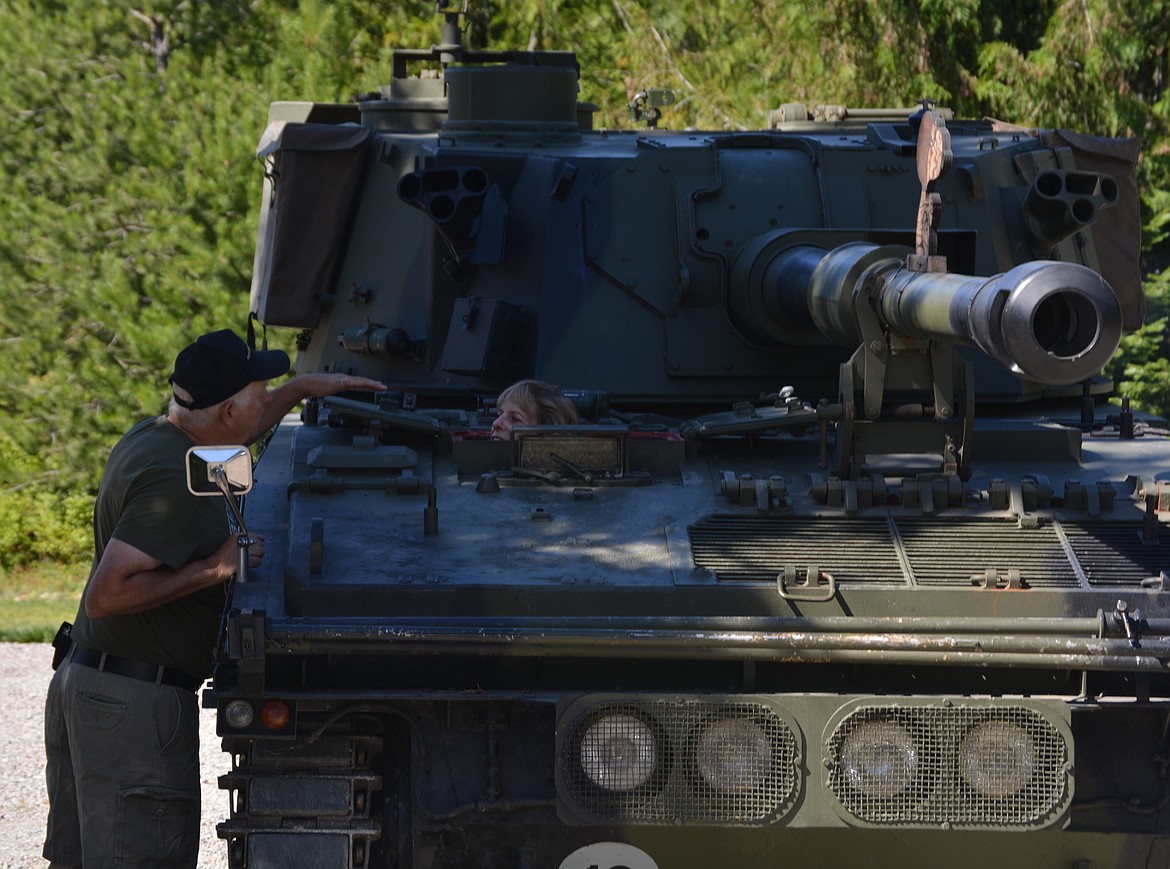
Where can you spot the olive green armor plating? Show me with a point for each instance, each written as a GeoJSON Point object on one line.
{"type": "Point", "coordinates": [852, 560]}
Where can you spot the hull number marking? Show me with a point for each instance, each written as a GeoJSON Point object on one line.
{"type": "Point", "coordinates": [609, 855]}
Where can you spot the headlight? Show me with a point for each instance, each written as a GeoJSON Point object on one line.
{"type": "Point", "coordinates": [679, 759]}
{"type": "Point", "coordinates": [733, 755]}
{"type": "Point", "coordinates": [996, 758]}
{"type": "Point", "coordinates": [976, 763]}
{"type": "Point", "coordinates": [238, 714]}
{"type": "Point", "coordinates": [618, 752]}
{"type": "Point", "coordinates": [879, 759]}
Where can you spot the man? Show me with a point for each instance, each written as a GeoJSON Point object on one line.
{"type": "Point", "coordinates": [121, 718]}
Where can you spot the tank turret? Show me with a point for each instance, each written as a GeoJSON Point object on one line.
{"type": "Point", "coordinates": [524, 244]}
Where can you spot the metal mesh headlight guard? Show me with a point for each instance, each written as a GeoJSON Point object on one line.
{"type": "Point", "coordinates": [962, 763]}
{"type": "Point", "coordinates": [726, 761]}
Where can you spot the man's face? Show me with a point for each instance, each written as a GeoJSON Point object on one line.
{"type": "Point", "coordinates": [510, 415]}
{"type": "Point", "coordinates": [249, 407]}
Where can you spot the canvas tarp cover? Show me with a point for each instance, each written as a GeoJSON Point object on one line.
{"type": "Point", "coordinates": [313, 176]}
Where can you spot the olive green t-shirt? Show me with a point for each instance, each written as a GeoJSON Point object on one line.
{"type": "Point", "coordinates": [143, 501]}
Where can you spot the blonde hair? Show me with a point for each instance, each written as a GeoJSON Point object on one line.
{"type": "Point", "coordinates": [542, 402]}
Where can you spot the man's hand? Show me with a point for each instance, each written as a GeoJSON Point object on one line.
{"type": "Point", "coordinates": [317, 384]}
{"type": "Point", "coordinates": [226, 554]}
{"type": "Point", "coordinates": [320, 384]}
{"type": "Point", "coordinates": [255, 550]}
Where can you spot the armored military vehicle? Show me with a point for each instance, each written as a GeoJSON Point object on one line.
{"type": "Point", "coordinates": [852, 559]}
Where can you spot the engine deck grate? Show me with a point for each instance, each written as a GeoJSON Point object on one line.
{"type": "Point", "coordinates": [749, 548]}
{"type": "Point", "coordinates": [954, 553]}
{"type": "Point", "coordinates": [926, 551]}
{"type": "Point", "coordinates": [1113, 554]}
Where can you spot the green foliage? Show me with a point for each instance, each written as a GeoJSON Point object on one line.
{"type": "Point", "coordinates": [35, 600]}
{"type": "Point", "coordinates": [1141, 368]}
{"type": "Point", "coordinates": [729, 62]}
{"type": "Point", "coordinates": [43, 525]}
{"type": "Point", "coordinates": [1095, 69]}
{"type": "Point", "coordinates": [126, 184]}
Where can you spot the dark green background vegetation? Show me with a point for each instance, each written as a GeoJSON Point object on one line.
{"type": "Point", "coordinates": [129, 194]}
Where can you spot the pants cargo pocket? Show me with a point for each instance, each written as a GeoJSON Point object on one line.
{"type": "Point", "coordinates": [157, 827]}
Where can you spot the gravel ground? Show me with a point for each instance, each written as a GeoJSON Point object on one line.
{"type": "Point", "coordinates": [24, 676]}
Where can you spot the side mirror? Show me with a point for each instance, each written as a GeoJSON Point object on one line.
{"type": "Point", "coordinates": [225, 471]}
{"type": "Point", "coordinates": [219, 471]}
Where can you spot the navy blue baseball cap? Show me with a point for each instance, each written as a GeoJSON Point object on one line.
{"type": "Point", "coordinates": [220, 364]}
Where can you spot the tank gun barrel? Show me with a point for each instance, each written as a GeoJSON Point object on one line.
{"type": "Point", "coordinates": [1052, 322]}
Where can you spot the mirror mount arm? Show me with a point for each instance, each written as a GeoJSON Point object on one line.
{"type": "Point", "coordinates": [221, 481]}
{"type": "Point", "coordinates": [243, 539]}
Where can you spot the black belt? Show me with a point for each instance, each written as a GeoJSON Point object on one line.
{"type": "Point", "coordinates": [155, 673]}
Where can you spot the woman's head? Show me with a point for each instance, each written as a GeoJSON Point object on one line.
{"type": "Point", "coordinates": [531, 402]}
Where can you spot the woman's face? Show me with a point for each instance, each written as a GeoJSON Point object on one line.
{"type": "Point", "coordinates": [511, 414]}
